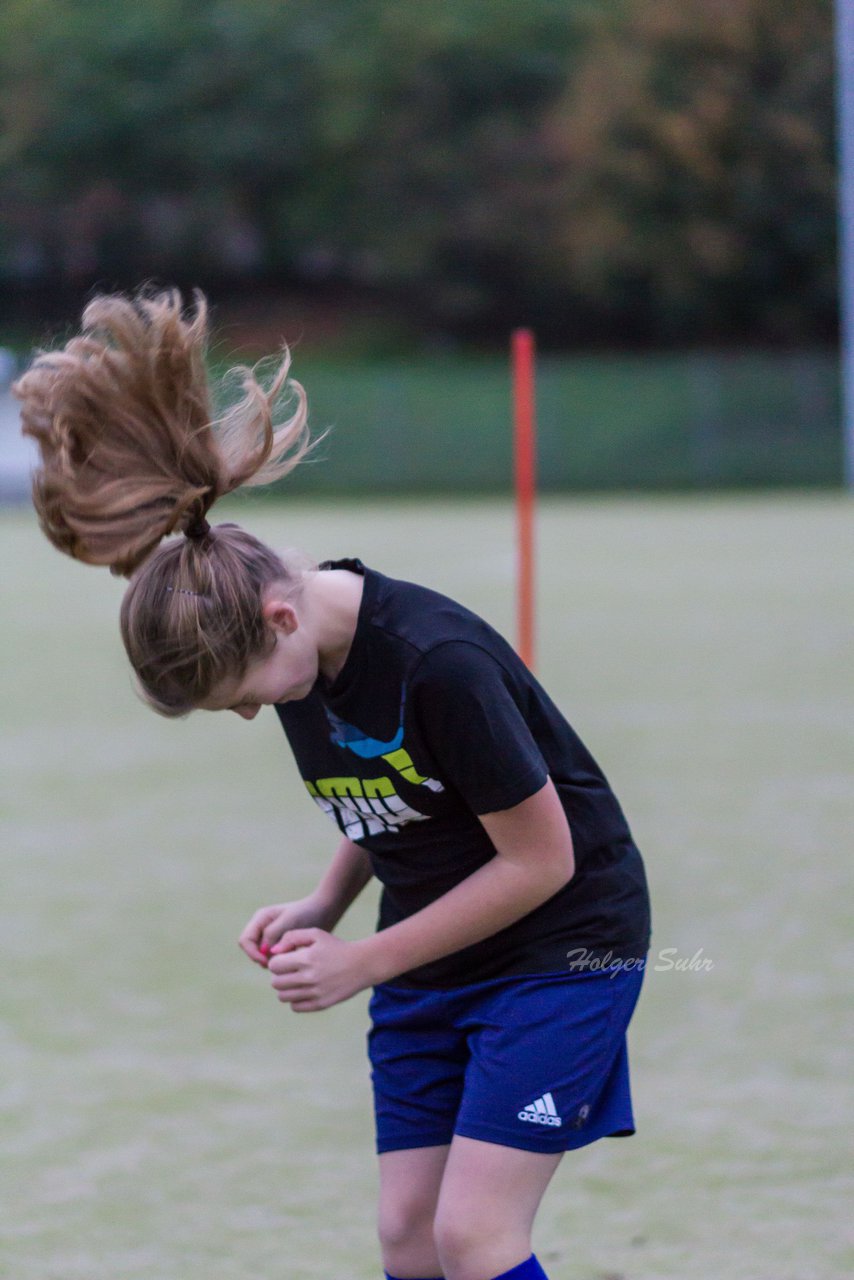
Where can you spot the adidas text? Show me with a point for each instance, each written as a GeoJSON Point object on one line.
{"type": "Point", "coordinates": [543, 1111]}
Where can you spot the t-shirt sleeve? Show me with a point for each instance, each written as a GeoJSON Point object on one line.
{"type": "Point", "coordinates": [469, 710]}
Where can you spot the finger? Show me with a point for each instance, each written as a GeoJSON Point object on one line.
{"type": "Point", "coordinates": [293, 977]}
{"type": "Point", "coordinates": [250, 940]}
{"type": "Point", "coordinates": [258, 921]}
{"type": "Point", "coordinates": [252, 951]}
{"type": "Point", "coordinates": [253, 940]}
{"type": "Point", "coordinates": [290, 995]}
{"type": "Point", "coordinates": [287, 963]}
{"type": "Point", "coordinates": [295, 938]}
{"type": "Point", "coordinates": [307, 1006]}
{"type": "Point", "coordinates": [293, 989]}
{"type": "Point", "coordinates": [273, 929]}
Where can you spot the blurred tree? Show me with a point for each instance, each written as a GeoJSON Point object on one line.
{"type": "Point", "coordinates": [192, 112]}
{"type": "Point", "coordinates": [697, 167]}
{"type": "Point", "coordinates": [429, 124]}
{"type": "Point", "coordinates": [635, 169]}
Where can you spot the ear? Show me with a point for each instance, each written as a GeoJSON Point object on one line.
{"type": "Point", "coordinates": [280, 615]}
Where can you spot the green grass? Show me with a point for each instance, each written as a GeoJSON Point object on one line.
{"type": "Point", "coordinates": [163, 1118]}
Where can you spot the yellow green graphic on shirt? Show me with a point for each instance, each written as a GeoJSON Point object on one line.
{"type": "Point", "coordinates": [368, 806]}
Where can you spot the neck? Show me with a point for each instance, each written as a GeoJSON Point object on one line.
{"type": "Point", "coordinates": [333, 597]}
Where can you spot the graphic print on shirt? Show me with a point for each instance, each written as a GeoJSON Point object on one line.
{"type": "Point", "coordinates": [367, 806]}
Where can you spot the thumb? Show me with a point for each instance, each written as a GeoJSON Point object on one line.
{"type": "Point", "coordinates": [293, 940]}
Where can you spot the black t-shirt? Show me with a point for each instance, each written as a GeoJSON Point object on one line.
{"type": "Point", "coordinates": [432, 720]}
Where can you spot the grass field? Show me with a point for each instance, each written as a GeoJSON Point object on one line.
{"type": "Point", "coordinates": [163, 1118]}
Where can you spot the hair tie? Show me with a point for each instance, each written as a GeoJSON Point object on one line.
{"type": "Point", "coordinates": [197, 528]}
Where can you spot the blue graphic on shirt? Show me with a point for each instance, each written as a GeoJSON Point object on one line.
{"type": "Point", "coordinates": [357, 741]}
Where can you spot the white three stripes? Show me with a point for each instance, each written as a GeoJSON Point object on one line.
{"type": "Point", "coordinates": [544, 1105]}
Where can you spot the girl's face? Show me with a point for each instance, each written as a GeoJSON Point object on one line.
{"type": "Point", "coordinates": [285, 675]}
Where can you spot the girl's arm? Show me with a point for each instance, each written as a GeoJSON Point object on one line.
{"type": "Point", "coordinates": [345, 878]}
{"type": "Point", "coordinates": [533, 860]}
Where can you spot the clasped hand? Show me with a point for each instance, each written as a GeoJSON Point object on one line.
{"type": "Point", "coordinates": [313, 970]}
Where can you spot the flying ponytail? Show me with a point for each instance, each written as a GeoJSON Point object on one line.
{"type": "Point", "coordinates": [130, 452]}
{"type": "Point", "coordinates": [123, 418]}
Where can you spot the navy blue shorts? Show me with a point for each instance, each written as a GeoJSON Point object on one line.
{"type": "Point", "coordinates": [538, 1063]}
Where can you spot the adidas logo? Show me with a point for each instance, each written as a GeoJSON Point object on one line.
{"type": "Point", "coordinates": [543, 1111]}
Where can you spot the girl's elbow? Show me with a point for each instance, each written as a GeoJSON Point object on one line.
{"type": "Point", "coordinates": [567, 870]}
{"type": "Point", "coordinates": [560, 871]}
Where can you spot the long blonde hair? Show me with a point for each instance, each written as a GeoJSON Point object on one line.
{"type": "Point", "coordinates": [131, 452]}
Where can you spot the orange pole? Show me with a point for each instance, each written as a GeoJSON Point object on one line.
{"type": "Point", "coordinates": [525, 471]}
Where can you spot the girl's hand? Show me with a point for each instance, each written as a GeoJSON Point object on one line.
{"type": "Point", "coordinates": [269, 924]}
{"type": "Point", "coordinates": [313, 970]}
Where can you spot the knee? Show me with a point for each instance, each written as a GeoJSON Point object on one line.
{"type": "Point", "coordinates": [459, 1241]}
{"type": "Point", "coordinates": [475, 1245]}
{"type": "Point", "coordinates": [405, 1219]}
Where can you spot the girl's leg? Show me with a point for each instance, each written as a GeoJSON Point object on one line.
{"type": "Point", "coordinates": [409, 1190]}
{"type": "Point", "coordinates": [488, 1199]}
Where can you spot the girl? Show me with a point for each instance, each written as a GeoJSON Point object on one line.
{"type": "Point", "coordinates": [514, 917]}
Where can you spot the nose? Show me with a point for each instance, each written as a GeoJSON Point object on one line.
{"type": "Point", "coordinates": [248, 712]}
